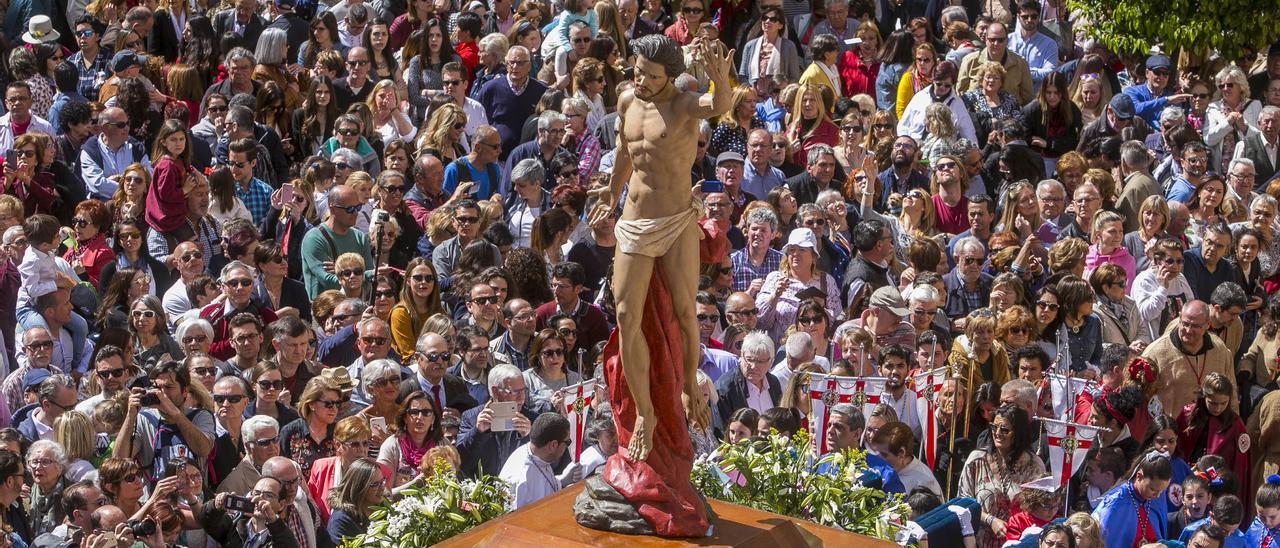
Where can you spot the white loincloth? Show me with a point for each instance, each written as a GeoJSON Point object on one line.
{"type": "Point", "coordinates": [654, 237]}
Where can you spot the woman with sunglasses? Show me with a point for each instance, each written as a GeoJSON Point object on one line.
{"type": "Point", "coordinates": [988, 101]}
{"type": "Point", "coordinates": [417, 430]}
{"type": "Point", "coordinates": [122, 483]}
{"type": "Point", "coordinates": [349, 441]}
{"type": "Point", "coordinates": [1118, 312]}
{"type": "Point", "coordinates": [268, 387]}
{"type": "Point", "coordinates": [388, 196]}
{"type": "Point", "coordinates": [90, 252]}
{"type": "Point", "coordinates": [149, 325]}
{"type": "Point", "coordinates": [548, 371]}
{"type": "Point", "coordinates": [380, 381]}
{"type": "Point", "coordinates": [126, 286]}
{"type": "Point", "coordinates": [917, 219]}
{"type": "Point", "coordinates": [131, 253]}
{"type": "Point", "coordinates": [443, 134]}
{"type": "Point", "coordinates": [419, 300]}
{"type": "Point", "coordinates": [995, 472]}
{"type": "Point", "coordinates": [1231, 117]}
{"type": "Point", "coordinates": [567, 328]}
{"type": "Point", "coordinates": [311, 437]}
{"type": "Point", "coordinates": [276, 286]}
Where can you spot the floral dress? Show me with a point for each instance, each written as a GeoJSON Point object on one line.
{"type": "Point", "coordinates": [985, 115]}
{"type": "Point", "coordinates": [42, 92]}
{"type": "Point", "coordinates": [986, 479]}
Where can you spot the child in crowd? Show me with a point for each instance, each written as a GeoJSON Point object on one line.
{"type": "Point", "coordinates": [1226, 515]}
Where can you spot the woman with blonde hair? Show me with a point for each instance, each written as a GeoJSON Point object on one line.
{"type": "Point", "coordinates": [810, 123]}
{"type": "Point", "coordinates": [988, 101]}
{"type": "Point", "coordinates": [918, 76]}
{"type": "Point", "coordinates": [588, 85]}
{"type": "Point", "coordinates": [362, 487]}
{"type": "Point", "coordinates": [918, 220]}
{"type": "Point", "coordinates": [731, 128]}
{"type": "Point", "coordinates": [74, 431]}
{"type": "Point", "coordinates": [349, 268]}
{"type": "Point", "coordinates": [1021, 212]}
{"type": "Point", "coordinates": [185, 85]}
{"type": "Point", "coordinates": [975, 353]}
{"type": "Point", "coordinates": [851, 153]}
{"type": "Point", "coordinates": [130, 198]}
{"type": "Point", "coordinates": [883, 129]}
{"type": "Point", "coordinates": [1153, 217]}
{"type": "Point", "coordinates": [1091, 93]}
{"type": "Point", "coordinates": [941, 135]}
{"type": "Point", "coordinates": [442, 137]}
{"type": "Point", "coordinates": [860, 65]}
{"type": "Point", "coordinates": [1231, 117]}
{"type": "Point", "coordinates": [389, 118]}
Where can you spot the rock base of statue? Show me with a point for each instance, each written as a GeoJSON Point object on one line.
{"type": "Point", "coordinates": [657, 489]}
{"type": "Point", "coordinates": [600, 506]}
{"type": "Point", "coordinates": [547, 523]}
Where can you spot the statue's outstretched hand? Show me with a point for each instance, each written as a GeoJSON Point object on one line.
{"type": "Point", "coordinates": [717, 66]}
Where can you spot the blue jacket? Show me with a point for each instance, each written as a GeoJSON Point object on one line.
{"type": "Point", "coordinates": [1235, 540]}
{"type": "Point", "coordinates": [1257, 531]}
{"type": "Point", "coordinates": [1117, 514]}
{"type": "Point", "coordinates": [1147, 105]}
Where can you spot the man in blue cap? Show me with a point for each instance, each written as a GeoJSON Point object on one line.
{"type": "Point", "coordinates": [1150, 98]}
{"type": "Point", "coordinates": [1118, 115]}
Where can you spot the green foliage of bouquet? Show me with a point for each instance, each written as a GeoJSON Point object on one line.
{"type": "Point", "coordinates": [779, 475]}
{"type": "Point", "coordinates": [441, 507]}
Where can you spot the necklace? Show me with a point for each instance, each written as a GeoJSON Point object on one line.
{"type": "Point", "coordinates": [1199, 373]}
{"type": "Point", "coordinates": [550, 478]}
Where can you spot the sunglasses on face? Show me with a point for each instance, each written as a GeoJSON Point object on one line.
{"type": "Point", "coordinates": [238, 164]}
{"type": "Point", "coordinates": [553, 353]}
{"type": "Point", "coordinates": [351, 209]}
{"type": "Point", "coordinates": [375, 341]}
{"type": "Point", "coordinates": [385, 294]}
{"type": "Point", "coordinates": [384, 381]}
{"type": "Point", "coordinates": [434, 356]}
{"type": "Point", "coordinates": [333, 404]}
{"type": "Point", "coordinates": [84, 33]}
{"type": "Point", "coordinates": [79, 223]}
{"type": "Point", "coordinates": [271, 385]}
{"type": "Point", "coordinates": [238, 282]}
{"type": "Point", "coordinates": [419, 412]}
{"type": "Point", "coordinates": [467, 220]}
{"type": "Point", "coordinates": [348, 132]}
{"type": "Point", "coordinates": [194, 339]}
{"type": "Point", "coordinates": [708, 317]}
{"type": "Point", "coordinates": [144, 313]}
{"type": "Point", "coordinates": [348, 272]}
{"type": "Point", "coordinates": [205, 371]}
{"type": "Point", "coordinates": [493, 299]}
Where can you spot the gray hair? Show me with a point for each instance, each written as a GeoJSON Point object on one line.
{"type": "Point", "coordinates": [237, 53]}
{"type": "Point", "coordinates": [1022, 390]}
{"type": "Point", "coordinates": [576, 105]}
{"type": "Point", "coordinates": [59, 454]}
{"type": "Point", "coordinates": [242, 116]}
{"type": "Point", "coordinates": [1242, 161]}
{"type": "Point", "coordinates": [798, 343]}
{"type": "Point", "coordinates": [762, 215]}
{"type": "Point", "coordinates": [704, 128]}
{"type": "Point", "coordinates": [853, 415]}
{"type": "Point", "coordinates": [806, 209]}
{"type": "Point", "coordinates": [1134, 154]}
{"type": "Point", "coordinates": [519, 49]}
{"type": "Point", "coordinates": [249, 429]}
{"type": "Point", "coordinates": [1172, 114]}
{"type": "Point", "coordinates": [377, 369]}
{"type": "Point", "coordinates": [954, 13]}
{"type": "Point", "coordinates": [758, 341]}
{"type": "Point", "coordinates": [234, 266]}
{"type": "Point", "coordinates": [1053, 184]}
{"type": "Point", "coordinates": [271, 46]}
{"type": "Point", "coordinates": [350, 157]}
{"type": "Point", "coordinates": [360, 325]}
{"type": "Point", "coordinates": [816, 152]}
{"type": "Point", "coordinates": [663, 50]}
{"type": "Point", "coordinates": [199, 323]}
{"type": "Point", "coordinates": [11, 234]}
{"type": "Point", "coordinates": [970, 242]}
{"type": "Point", "coordinates": [495, 44]}
{"type": "Point", "coordinates": [549, 117]}
{"type": "Point", "coordinates": [833, 3]}
{"type": "Point", "coordinates": [827, 197]}
{"type": "Point", "coordinates": [1233, 74]}
{"type": "Point", "coordinates": [921, 293]}
{"type": "Point", "coordinates": [1269, 110]}
{"type": "Point", "coordinates": [529, 169]}
{"type": "Point", "coordinates": [501, 373]}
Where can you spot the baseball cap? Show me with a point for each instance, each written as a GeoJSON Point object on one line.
{"type": "Point", "coordinates": [286, 3]}
{"type": "Point", "coordinates": [889, 299]}
{"type": "Point", "coordinates": [126, 58]}
{"type": "Point", "coordinates": [802, 237]}
{"type": "Point", "coordinates": [34, 377]}
{"type": "Point", "coordinates": [1158, 62]}
{"type": "Point", "coordinates": [729, 156]}
{"type": "Point", "coordinates": [1122, 105]}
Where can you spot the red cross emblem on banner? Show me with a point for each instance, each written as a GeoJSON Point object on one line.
{"type": "Point", "coordinates": [578, 407]}
{"type": "Point", "coordinates": [860, 396]}
{"type": "Point", "coordinates": [829, 396]}
{"type": "Point", "coordinates": [1069, 443]}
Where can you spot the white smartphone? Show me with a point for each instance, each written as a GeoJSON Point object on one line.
{"type": "Point", "coordinates": [504, 413]}
{"type": "Point", "coordinates": [377, 422]}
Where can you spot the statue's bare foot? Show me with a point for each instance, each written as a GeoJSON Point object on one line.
{"type": "Point", "coordinates": [641, 442]}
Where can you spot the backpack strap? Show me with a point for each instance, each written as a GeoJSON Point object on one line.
{"type": "Point", "coordinates": [333, 245]}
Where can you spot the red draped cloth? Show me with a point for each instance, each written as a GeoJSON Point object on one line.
{"type": "Point", "coordinates": [659, 486]}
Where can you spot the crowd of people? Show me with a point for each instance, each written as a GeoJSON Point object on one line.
{"type": "Point", "coordinates": [266, 265]}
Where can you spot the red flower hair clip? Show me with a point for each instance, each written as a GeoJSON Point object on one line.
{"type": "Point", "coordinates": [208, 171]}
{"type": "Point", "coordinates": [1140, 370]}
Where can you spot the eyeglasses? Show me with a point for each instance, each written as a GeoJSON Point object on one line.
{"type": "Point", "coordinates": [1000, 430]}
{"type": "Point", "coordinates": [26, 153]}
{"type": "Point", "coordinates": [394, 188]}
{"type": "Point", "coordinates": [357, 62]}
{"type": "Point", "coordinates": [330, 404]}
{"type": "Point", "coordinates": [79, 223]}
{"type": "Point", "coordinates": [945, 166]}
{"type": "Point", "coordinates": [84, 33]}
{"type": "Point", "coordinates": [238, 282]}
{"type": "Point", "coordinates": [691, 9]}
{"type": "Point", "coordinates": [231, 398]}
{"type": "Point", "coordinates": [144, 313]}
{"type": "Point", "coordinates": [238, 164]}
{"type": "Point", "coordinates": [492, 299]}
{"type": "Point", "coordinates": [815, 222]}
{"type": "Point", "coordinates": [271, 385]}
{"type": "Point", "coordinates": [349, 272]}
{"type": "Point", "coordinates": [1200, 95]}
{"type": "Point", "coordinates": [109, 373]}
{"type": "Point", "coordinates": [129, 236]}
{"type": "Point", "coordinates": [883, 127]}
{"type": "Point", "coordinates": [518, 62]}
{"type": "Point", "coordinates": [376, 341]}
{"type": "Point", "coordinates": [266, 441]}
{"type": "Point", "coordinates": [341, 165]}
{"type": "Point", "coordinates": [779, 145]}
{"type": "Point", "coordinates": [42, 345]}
{"type": "Point", "coordinates": [972, 260]}
{"type": "Point", "coordinates": [810, 320]}
{"type": "Point", "coordinates": [1018, 331]}
{"type": "Point", "coordinates": [1226, 85]}
{"type": "Point", "coordinates": [419, 412]}
{"type": "Point", "coordinates": [854, 128]}
{"type": "Point", "coordinates": [1046, 305]}
{"type": "Point", "coordinates": [348, 132]}
{"type": "Point", "coordinates": [459, 126]}
{"type": "Point", "coordinates": [708, 317]}
{"type": "Point", "coordinates": [191, 257]}
{"type": "Point", "coordinates": [384, 294]}
{"type": "Point", "coordinates": [193, 339]}
{"type": "Point", "coordinates": [770, 19]}
{"type": "Point", "coordinates": [423, 278]}
{"type": "Point", "coordinates": [434, 356]}
{"type": "Point", "coordinates": [554, 352]}
{"type": "Point", "coordinates": [466, 220]}
{"type": "Point", "coordinates": [743, 312]}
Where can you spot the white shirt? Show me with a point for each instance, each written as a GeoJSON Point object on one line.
{"type": "Point", "coordinates": [531, 479]}
{"type": "Point", "coordinates": [591, 459]}
{"type": "Point", "coordinates": [918, 474]}
{"type": "Point", "coordinates": [906, 409]}
{"type": "Point", "coordinates": [759, 398]}
{"type": "Point", "coordinates": [175, 301]}
{"type": "Point", "coordinates": [1152, 299]}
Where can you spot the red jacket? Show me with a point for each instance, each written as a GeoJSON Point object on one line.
{"type": "Point", "coordinates": [855, 75]}
{"type": "Point", "coordinates": [216, 314]}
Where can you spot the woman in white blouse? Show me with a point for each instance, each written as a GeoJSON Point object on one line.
{"type": "Point", "coordinates": [778, 298]}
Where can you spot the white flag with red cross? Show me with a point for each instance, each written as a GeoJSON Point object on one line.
{"type": "Point", "coordinates": [1064, 390]}
{"type": "Point", "coordinates": [576, 407]}
{"type": "Point", "coordinates": [927, 385]}
{"type": "Point", "coordinates": [1069, 442]}
{"type": "Point", "coordinates": [825, 391]}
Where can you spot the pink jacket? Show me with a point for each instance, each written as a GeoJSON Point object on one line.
{"type": "Point", "coordinates": [1120, 257]}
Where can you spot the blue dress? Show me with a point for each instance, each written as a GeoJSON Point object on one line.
{"type": "Point", "coordinates": [1117, 514]}
{"type": "Point", "coordinates": [1257, 532]}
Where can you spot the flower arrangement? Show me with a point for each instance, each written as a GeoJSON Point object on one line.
{"type": "Point", "coordinates": [441, 507]}
{"type": "Point", "coordinates": [780, 475]}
